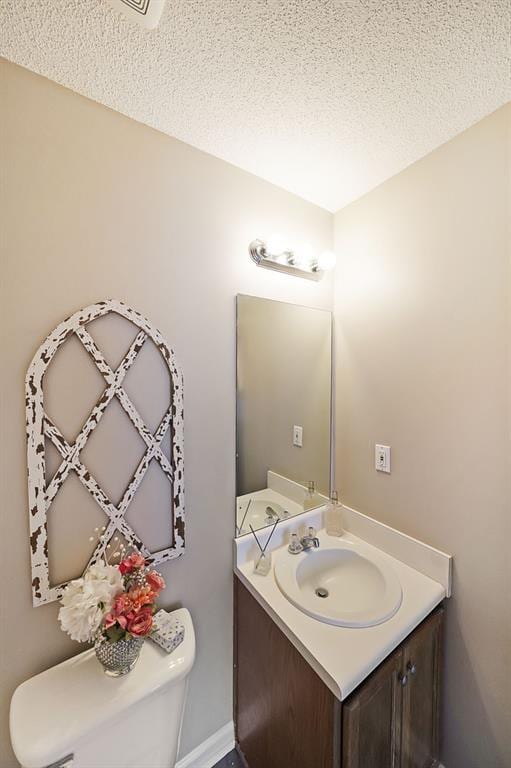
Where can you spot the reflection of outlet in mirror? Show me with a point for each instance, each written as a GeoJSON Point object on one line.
{"type": "Point", "coordinates": [298, 436]}
{"type": "Point", "coordinates": [382, 458]}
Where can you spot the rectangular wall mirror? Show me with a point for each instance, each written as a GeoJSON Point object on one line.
{"type": "Point", "coordinates": [283, 402]}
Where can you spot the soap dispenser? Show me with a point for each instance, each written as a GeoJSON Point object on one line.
{"type": "Point", "coordinates": [333, 516]}
{"type": "Point", "coordinates": [311, 498]}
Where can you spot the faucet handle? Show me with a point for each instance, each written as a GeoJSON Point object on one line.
{"type": "Point", "coordinates": [310, 540]}
{"type": "Point", "coordinates": [295, 545]}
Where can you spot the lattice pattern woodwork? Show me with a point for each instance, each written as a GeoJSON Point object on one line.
{"type": "Point", "coordinates": [40, 427]}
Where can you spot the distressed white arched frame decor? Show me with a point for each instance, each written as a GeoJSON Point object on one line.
{"type": "Point", "coordinates": [40, 428]}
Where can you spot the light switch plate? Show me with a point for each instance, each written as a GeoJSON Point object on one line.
{"type": "Point", "coordinates": [382, 458]}
{"type": "Point", "coordinates": [298, 436]}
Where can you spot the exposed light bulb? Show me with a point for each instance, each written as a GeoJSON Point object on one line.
{"type": "Point", "coordinates": [304, 255]}
{"type": "Point", "coordinates": [276, 245]}
{"type": "Point", "coordinates": [327, 260]}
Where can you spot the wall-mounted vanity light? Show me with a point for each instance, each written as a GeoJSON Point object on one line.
{"type": "Point", "coordinates": [300, 261]}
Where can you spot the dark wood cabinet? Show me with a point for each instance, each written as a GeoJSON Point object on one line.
{"type": "Point", "coordinates": [371, 719]}
{"type": "Point", "coordinates": [392, 719]}
{"type": "Point", "coordinates": [286, 717]}
{"type": "Point", "coordinates": [421, 694]}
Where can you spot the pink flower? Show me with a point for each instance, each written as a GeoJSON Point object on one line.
{"type": "Point", "coordinates": [132, 562]}
{"type": "Point", "coordinates": [137, 560]}
{"type": "Point", "coordinates": [141, 596]}
{"type": "Point", "coordinates": [155, 581]}
{"type": "Point", "coordinates": [122, 604]}
{"type": "Point", "coordinates": [109, 620]}
{"type": "Point", "coordinates": [142, 623]}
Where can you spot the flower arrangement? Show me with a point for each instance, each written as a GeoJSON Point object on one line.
{"type": "Point", "coordinates": [109, 602]}
{"type": "Point", "coordinates": [133, 609]}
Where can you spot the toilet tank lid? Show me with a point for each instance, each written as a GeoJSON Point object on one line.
{"type": "Point", "coordinates": [53, 710]}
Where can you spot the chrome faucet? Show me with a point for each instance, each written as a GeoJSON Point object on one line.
{"type": "Point", "coordinates": [310, 540]}
{"type": "Point", "coordinates": [271, 515]}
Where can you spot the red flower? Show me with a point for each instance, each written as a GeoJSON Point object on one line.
{"type": "Point", "coordinates": [142, 623]}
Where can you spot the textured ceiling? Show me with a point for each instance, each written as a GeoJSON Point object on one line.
{"type": "Point", "coordinates": [326, 98]}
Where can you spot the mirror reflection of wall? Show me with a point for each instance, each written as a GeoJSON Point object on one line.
{"type": "Point", "coordinates": [284, 364]}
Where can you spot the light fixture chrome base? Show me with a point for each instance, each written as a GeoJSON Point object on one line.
{"type": "Point", "coordinates": [284, 262]}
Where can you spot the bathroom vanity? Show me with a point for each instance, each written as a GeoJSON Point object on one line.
{"type": "Point", "coordinates": [333, 690]}
{"type": "Point", "coordinates": [286, 717]}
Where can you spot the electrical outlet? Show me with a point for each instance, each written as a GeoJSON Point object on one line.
{"type": "Point", "coordinates": [382, 458]}
{"type": "Point", "coordinates": [298, 436]}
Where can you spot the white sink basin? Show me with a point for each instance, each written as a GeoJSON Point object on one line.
{"type": "Point", "coordinates": [256, 515]}
{"type": "Point", "coordinates": [340, 583]}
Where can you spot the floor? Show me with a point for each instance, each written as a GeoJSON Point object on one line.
{"type": "Point", "coordinates": [230, 761]}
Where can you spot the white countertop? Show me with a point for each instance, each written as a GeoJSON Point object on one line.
{"type": "Point", "coordinates": [344, 656]}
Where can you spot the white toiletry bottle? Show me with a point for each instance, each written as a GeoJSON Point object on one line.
{"type": "Point", "coordinates": [333, 516]}
{"type": "Point", "coordinates": [311, 498]}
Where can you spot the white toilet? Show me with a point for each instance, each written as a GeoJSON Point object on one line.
{"type": "Point", "coordinates": [73, 714]}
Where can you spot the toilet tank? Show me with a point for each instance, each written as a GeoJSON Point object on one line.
{"type": "Point", "coordinates": [75, 710]}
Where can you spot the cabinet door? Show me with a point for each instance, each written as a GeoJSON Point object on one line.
{"type": "Point", "coordinates": [285, 716]}
{"type": "Point", "coordinates": [421, 705]}
{"type": "Point", "coordinates": [371, 727]}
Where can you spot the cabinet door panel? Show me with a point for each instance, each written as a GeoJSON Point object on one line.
{"type": "Point", "coordinates": [421, 658]}
{"type": "Point", "coordinates": [285, 716]}
{"type": "Point", "coordinates": [372, 719]}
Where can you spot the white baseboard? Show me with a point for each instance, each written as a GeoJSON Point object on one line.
{"type": "Point", "coordinates": [207, 754]}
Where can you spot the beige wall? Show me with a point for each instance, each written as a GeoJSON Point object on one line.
{"type": "Point", "coordinates": [284, 355]}
{"type": "Point", "coordinates": [423, 325]}
{"type": "Point", "coordinates": [95, 205]}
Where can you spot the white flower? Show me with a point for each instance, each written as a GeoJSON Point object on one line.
{"type": "Point", "coordinates": [85, 601]}
{"type": "Point", "coordinates": [80, 615]}
{"type": "Point", "coordinates": [107, 581]}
